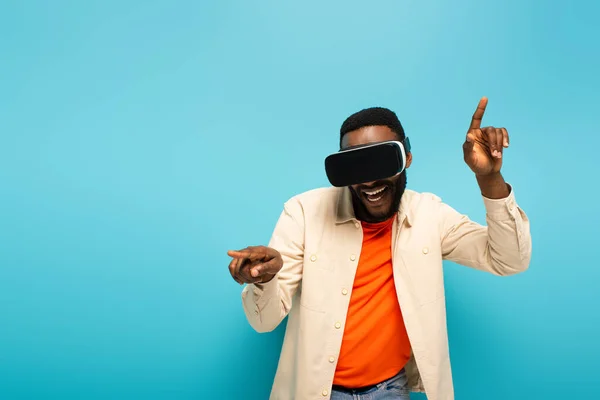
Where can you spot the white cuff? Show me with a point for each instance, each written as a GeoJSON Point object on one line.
{"type": "Point", "coordinates": [501, 209]}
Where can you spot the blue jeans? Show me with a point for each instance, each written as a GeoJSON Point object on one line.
{"type": "Point", "coordinates": [395, 388]}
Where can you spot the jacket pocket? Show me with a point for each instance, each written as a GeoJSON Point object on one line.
{"type": "Point", "coordinates": [315, 285]}
{"type": "Point", "coordinates": [425, 270]}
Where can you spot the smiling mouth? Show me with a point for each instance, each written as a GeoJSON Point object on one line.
{"type": "Point", "coordinates": [375, 195]}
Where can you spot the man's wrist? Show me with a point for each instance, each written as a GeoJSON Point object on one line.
{"type": "Point", "coordinates": [266, 283]}
{"type": "Point", "coordinates": [268, 279]}
{"type": "Point", "coordinates": [493, 186]}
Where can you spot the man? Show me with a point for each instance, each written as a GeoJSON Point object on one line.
{"type": "Point", "coordinates": [358, 269]}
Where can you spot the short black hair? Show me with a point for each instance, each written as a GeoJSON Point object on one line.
{"type": "Point", "coordinates": [371, 117]}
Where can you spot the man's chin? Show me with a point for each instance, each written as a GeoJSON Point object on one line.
{"type": "Point", "coordinates": [379, 214]}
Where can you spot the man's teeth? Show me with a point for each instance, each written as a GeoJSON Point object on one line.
{"type": "Point", "coordinates": [374, 200]}
{"type": "Point", "coordinates": [374, 192]}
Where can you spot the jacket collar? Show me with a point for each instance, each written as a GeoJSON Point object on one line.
{"type": "Point", "coordinates": [345, 209]}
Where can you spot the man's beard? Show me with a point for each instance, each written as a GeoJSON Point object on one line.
{"type": "Point", "coordinates": [398, 186]}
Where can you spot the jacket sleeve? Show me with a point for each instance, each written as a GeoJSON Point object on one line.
{"type": "Point", "coordinates": [266, 305]}
{"type": "Point", "coordinates": [503, 247]}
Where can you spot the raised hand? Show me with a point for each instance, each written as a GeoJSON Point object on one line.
{"type": "Point", "coordinates": [254, 264]}
{"type": "Point", "coordinates": [483, 147]}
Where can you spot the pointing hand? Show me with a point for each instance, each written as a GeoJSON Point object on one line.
{"type": "Point", "coordinates": [483, 147]}
{"type": "Point", "coordinates": [254, 264]}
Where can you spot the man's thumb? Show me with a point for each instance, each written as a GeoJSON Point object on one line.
{"type": "Point", "coordinates": [256, 271]}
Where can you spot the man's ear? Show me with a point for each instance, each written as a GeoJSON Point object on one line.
{"type": "Point", "coordinates": [408, 159]}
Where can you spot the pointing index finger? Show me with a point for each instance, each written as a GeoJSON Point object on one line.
{"type": "Point", "coordinates": [478, 115]}
{"type": "Point", "coordinates": [250, 255]}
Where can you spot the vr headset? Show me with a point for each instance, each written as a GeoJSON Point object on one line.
{"type": "Point", "coordinates": [367, 163]}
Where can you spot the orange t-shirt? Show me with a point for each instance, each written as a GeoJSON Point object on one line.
{"type": "Point", "coordinates": [375, 346]}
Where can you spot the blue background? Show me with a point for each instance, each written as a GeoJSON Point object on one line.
{"type": "Point", "coordinates": [141, 140]}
